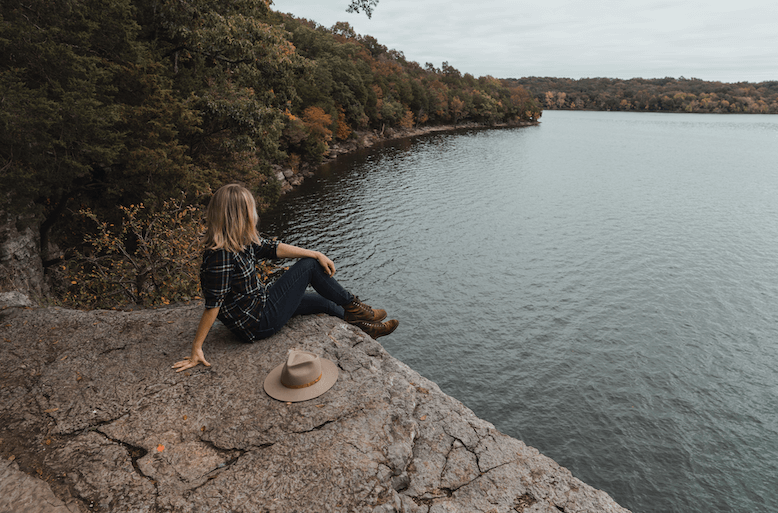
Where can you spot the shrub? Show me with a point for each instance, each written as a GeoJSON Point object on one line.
{"type": "Point", "coordinates": [151, 259]}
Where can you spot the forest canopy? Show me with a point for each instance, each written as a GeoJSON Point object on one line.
{"type": "Point", "coordinates": [107, 103]}
{"type": "Point", "coordinates": [652, 95]}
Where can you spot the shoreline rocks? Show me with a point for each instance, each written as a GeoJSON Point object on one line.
{"type": "Point", "coordinates": [91, 411]}
{"type": "Point", "coordinates": [291, 178]}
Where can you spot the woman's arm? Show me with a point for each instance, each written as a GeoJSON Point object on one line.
{"type": "Point", "coordinates": [197, 357]}
{"type": "Point", "coordinates": [289, 251]}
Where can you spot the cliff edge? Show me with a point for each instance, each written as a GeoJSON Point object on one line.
{"type": "Point", "coordinates": [93, 418]}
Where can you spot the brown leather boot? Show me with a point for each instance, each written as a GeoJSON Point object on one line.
{"type": "Point", "coordinates": [377, 329]}
{"type": "Point", "coordinates": [358, 311]}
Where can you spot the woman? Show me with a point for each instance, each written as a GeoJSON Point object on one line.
{"type": "Point", "coordinates": [233, 292]}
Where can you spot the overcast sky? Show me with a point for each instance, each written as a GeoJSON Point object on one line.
{"type": "Point", "coordinates": [726, 40]}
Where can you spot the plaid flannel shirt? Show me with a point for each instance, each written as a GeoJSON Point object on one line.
{"type": "Point", "coordinates": [231, 283]}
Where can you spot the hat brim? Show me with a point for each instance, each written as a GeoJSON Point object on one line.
{"type": "Point", "coordinates": [274, 388]}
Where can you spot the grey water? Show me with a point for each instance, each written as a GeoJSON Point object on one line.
{"type": "Point", "coordinates": [603, 287]}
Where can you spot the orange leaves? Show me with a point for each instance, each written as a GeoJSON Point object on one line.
{"type": "Point", "coordinates": [386, 68]}
{"type": "Point", "coordinates": [151, 258]}
{"type": "Point", "coordinates": [343, 129]}
{"type": "Point", "coordinates": [318, 122]}
{"type": "Point", "coordinates": [457, 108]}
{"type": "Point", "coordinates": [408, 119]}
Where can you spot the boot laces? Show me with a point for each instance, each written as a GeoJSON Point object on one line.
{"type": "Point", "coordinates": [362, 306]}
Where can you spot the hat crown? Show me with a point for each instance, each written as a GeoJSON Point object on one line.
{"type": "Point", "coordinates": [302, 369]}
{"type": "Point", "coordinates": [301, 377]}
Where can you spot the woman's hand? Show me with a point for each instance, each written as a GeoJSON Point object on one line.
{"type": "Point", "coordinates": [194, 360]}
{"type": "Point", "coordinates": [197, 357]}
{"type": "Point", "coordinates": [326, 263]}
{"type": "Point", "coordinates": [288, 251]}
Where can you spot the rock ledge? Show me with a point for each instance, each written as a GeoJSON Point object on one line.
{"type": "Point", "coordinates": [92, 418]}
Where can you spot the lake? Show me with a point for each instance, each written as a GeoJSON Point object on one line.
{"type": "Point", "coordinates": [603, 287]}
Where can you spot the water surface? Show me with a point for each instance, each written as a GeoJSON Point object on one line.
{"type": "Point", "coordinates": [603, 287]}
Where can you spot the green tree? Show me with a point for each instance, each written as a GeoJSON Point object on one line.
{"type": "Point", "coordinates": [237, 70]}
{"type": "Point", "coordinates": [58, 68]}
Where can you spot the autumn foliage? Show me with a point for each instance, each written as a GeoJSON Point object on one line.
{"type": "Point", "coordinates": [318, 123]}
{"type": "Point", "coordinates": [149, 258]}
{"type": "Point", "coordinates": [132, 102]}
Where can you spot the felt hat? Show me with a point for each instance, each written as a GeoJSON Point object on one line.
{"type": "Point", "coordinates": [303, 376]}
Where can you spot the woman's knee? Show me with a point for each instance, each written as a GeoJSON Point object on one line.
{"type": "Point", "coordinates": [308, 263]}
{"type": "Point", "coordinates": [303, 268]}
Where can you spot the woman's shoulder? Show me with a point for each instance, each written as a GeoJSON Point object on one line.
{"type": "Point", "coordinates": [265, 242]}
{"type": "Point", "coordinates": [264, 248]}
{"type": "Point", "coordinates": [214, 257]}
{"type": "Point", "coordinates": [209, 252]}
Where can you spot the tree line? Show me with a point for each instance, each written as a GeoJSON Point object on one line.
{"type": "Point", "coordinates": [107, 103]}
{"type": "Point", "coordinates": [120, 101]}
{"type": "Point", "coordinates": [652, 95]}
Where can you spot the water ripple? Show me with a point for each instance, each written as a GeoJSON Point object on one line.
{"type": "Point", "coordinates": [603, 287]}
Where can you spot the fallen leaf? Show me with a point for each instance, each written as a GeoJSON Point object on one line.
{"type": "Point", "coordinates": [50, 410]}
{"type": "Point", "coordinates": [319, 405]}
{"type": "Point", "coordinates": [184, 417]}
{"type": "Point", "coordinates": [160, 448]}
{"type": "Point", "coordinates": [423, 417]}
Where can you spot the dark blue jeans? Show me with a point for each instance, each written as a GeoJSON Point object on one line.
{"type": "Point", "coordinates": [287, 297]}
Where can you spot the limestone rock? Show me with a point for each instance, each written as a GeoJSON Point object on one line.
{"type": "Point", "coordinates": [21, 493]}
{"type": "Point", "coordinates": [14, 298]}
{"type": "Point", "coordinates": [21, 267]}
{"type": "Point", "coordinates": [89, 402]}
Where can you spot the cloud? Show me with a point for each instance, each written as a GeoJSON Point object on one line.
{"type": "Point", "coordinates": [713, 40]}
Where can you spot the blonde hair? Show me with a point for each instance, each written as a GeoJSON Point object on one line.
{"type": "Point", "coordinates": [231, 219]}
